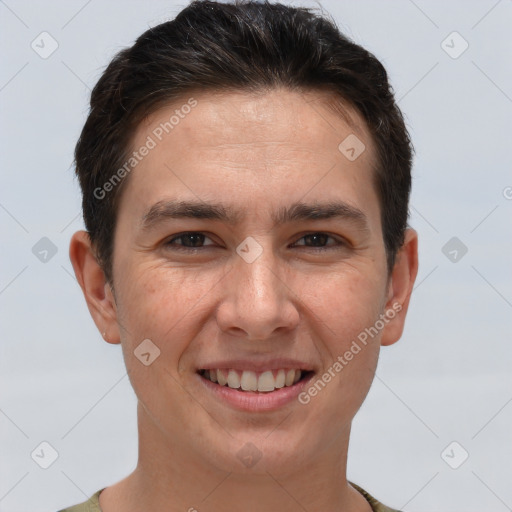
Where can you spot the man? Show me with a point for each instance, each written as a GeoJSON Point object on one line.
{"type": "Point", "coordinates": [245, 175]}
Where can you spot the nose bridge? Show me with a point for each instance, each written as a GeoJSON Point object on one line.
{"type": "Point", "coordinates": [257, 301]}
{"type": "Point", "coordinates": [261, 280]}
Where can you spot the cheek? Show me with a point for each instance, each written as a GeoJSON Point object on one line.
{"type": "Point", "coordinates": [346, 303]}
{"type": "Point", "coordinates": [164, 305]}
{"type": "Point", "coordinates": [344, 309]}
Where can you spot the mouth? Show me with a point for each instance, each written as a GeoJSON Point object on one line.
{"type": "Point", "coordinates": [252, 382]}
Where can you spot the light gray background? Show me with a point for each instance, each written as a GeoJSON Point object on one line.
{"type": "Point", "coordinates": [448, 379]}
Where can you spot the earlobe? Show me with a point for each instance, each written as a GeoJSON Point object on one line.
{"type": "Point", "coordinates": [400, 288]}
{"type": "Point", "coordinates": [96, 289]}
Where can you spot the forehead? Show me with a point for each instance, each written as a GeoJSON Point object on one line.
{"type": "Point", "coordinates": [274, 146]}
{"type": "Point", "coordinates": [277, 116]}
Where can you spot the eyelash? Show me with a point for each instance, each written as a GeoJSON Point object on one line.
{"type": "Point", "coordinates": [169, 244]}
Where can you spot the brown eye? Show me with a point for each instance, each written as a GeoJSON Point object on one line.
{"type": "Point", "coordinates": [319, 240]}
{"type": "Point", "coordinates": [190, 240]}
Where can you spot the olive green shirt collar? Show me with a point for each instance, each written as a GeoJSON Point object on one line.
{"type": "Point", "coordinates": [93, 503]}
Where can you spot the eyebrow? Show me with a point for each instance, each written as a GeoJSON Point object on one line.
{"type": "Point", "coordinates": [299, 211]}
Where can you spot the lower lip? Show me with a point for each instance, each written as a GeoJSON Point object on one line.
{"type": "Point", "coordinates": [252, 401]}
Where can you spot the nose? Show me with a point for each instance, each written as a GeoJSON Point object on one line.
{"type": "Point", "coordinates": [258, 301]}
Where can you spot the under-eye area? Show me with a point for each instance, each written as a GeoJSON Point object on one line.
{"type": "Point", "coordinates": [249, 381]}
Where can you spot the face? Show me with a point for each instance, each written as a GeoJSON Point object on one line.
{"type": "Point", "coordinates": [249, 245]}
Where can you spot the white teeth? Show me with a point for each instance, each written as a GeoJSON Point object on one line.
{"type": "Point", "coordinates": [280, 379]}
{"type": "Point", "coordinates": [290, 375]}
{"type": "Point", "coordinates": [266, 381]}
{"type": "Point", "coordinates": [233, 379]}
{"type": "Point", "coordinates": [221, 379]}
{"type": "Point", "coordinates": [249, 381]}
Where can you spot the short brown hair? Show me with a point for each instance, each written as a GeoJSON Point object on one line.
{"type": "Point", "coordinates": [246, 45]}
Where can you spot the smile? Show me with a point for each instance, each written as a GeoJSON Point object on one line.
{"type": "Point", "coordinates": [255, 391]}
{"type": "Point", "coordinates": [247, 380]}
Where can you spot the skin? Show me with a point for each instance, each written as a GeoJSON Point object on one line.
{"type": "Point", "coordinates": [255, 153]}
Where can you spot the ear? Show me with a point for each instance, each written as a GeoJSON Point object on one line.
{"type": "Point", "coordinates": [400, 287]}
{"type": "Point", "coordinates": [97, 291]}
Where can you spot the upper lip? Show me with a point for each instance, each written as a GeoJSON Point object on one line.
{"type": "Point", "coordinates": [256, 366]}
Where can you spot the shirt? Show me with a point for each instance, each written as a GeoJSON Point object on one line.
{"type": "Point", "coordinates": [93, 503]}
